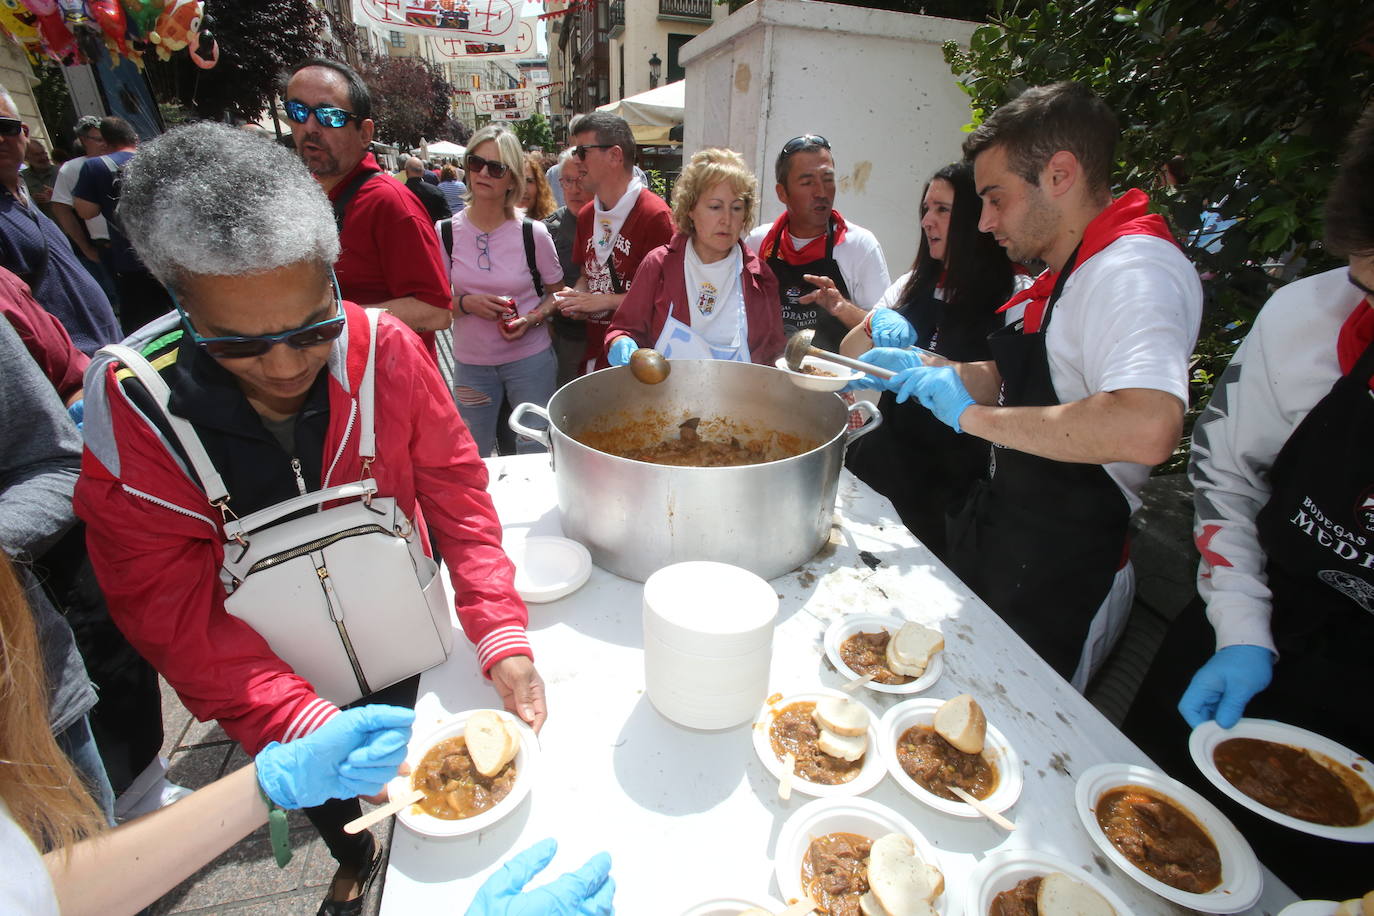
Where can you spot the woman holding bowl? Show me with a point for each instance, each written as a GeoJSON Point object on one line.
{"type": "Point", "coordinates": [505, 271]}
{"type": "Point", "coordinates": [704, 295]}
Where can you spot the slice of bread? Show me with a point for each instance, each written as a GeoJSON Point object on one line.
{"type": "Point", "coordinates": [910, 649]}
{"type": "Point", "coordinates": [845, 747]}
{"type": "Point", "coordinates": [900, 882]}
{"type": "Point", "coordinates": [841, 715]}
{"type": "Point", "coordinates": [1367, 903]}
{"type": "Point", "coordinates": [1060, 895]}
{"type": "Point", "coordinates": [869, 906]}
{"type": "Point", "coordinates": [490, 743]}
{"type": "Point", "coordinates": [961, 722]}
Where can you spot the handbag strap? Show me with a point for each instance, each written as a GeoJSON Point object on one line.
{"type": "Point", "coordinates": [235, 528]}
{"type": "Point", "coordinates": [185, 433]}
{"type": "Point", "coordinates": [367, 399]}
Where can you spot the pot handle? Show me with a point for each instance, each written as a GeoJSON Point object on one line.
{"type": "Point", "coordinates": [538, 435]}
{"type": "Point", "coordinates": [873, 418]}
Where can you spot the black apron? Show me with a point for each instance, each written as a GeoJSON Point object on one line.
{"type": "Point", "coordinates": [1040, 541]}
{"type": "Point", "coordinates": [791, 287]}
{"type": "Point", "coordinates": [1322, 624]}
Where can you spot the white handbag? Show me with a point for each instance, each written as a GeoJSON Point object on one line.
{"type": "Point", "coordinates": [346, 596]}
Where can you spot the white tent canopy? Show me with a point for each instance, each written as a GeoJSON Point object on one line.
{"type": "Point", "coordinates": [441, 148]}
{"type": "Point", "coordinates": [651, 115]}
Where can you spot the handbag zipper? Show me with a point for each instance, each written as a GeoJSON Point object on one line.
{"type": "Point", "coordinates": [331, 599]}
{"type": "Point", "coordinates": [317, 544]}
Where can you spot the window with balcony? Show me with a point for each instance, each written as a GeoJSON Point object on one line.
{"type": "Point", "coordinates": [695, 10]}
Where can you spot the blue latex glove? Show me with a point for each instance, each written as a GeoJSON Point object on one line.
{"type": "Point", "coordinates": [587, 891]}
{"type": "Point", "coordinates": [1221, 688]}
{"type": "Point", "coordinates": [938, 388]}
{"type": "Point", "coordinates": [621, 348]}
{"type": "Point", "coordinates": [78, 413]}
{"type": "Point", "coordinates": [890, 358]}
{"type": "Point", "coordinates": [355, 753]}
{"type": "Point", "coordinates": [890, 329]}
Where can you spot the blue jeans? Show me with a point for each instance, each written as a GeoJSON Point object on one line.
{"type": "Point", "coordinates": [478, 391]}
{"type": "Point", "coordinates": [78, 744]}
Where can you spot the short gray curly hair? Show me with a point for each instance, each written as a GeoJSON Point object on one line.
{"type": "Point", "coordinates": [206, 199]}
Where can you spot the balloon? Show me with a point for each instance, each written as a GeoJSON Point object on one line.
{"type": "Point", "coordinates": [109, 15]}
{"type": "Point", "coordinates": [141, 15]}
{"type": "Point", "coordinates": [57, 38]}
{"type": "Point", "coordinates": [178, 24]}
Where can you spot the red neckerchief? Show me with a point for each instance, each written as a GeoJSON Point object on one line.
{"type": "Point", "coordinates": [1127, 215]}
{"type": "Point", "coordinates": [1355, 336]}
{"type": "Point", "coordinates": [814, 250]}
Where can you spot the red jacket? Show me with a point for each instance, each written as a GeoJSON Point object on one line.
{"type": "Point", "coordinates": [43, 335]}
{"type": "Point", "coordinates": [156, 543]}
{"type": "Point", "coordinates": [661, 286]}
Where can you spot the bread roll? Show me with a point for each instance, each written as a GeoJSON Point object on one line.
{"type": "Point", "coordinates": [869, 906]}
{"type": "Point", "coordinates": [910, 649]}
{"type": "Point", "coordinates": [900, 882]}
{"type": "Point", "coordinates": [845, 747]}
{"type": "Point", "coordinates": [1060, 895]}
{"type": "Point", "coordinates": [490, 743]}
{"type": "Point", "coordinates": [841, 715]}
{"type": "Point", "coordinates": [961, 722]}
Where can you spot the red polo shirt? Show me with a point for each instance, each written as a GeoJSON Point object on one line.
{"type": "Point", "coordinates": [388, 246]}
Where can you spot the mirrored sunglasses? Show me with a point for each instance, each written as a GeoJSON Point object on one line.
{"type": "Point", "coordinates": [327, 115]}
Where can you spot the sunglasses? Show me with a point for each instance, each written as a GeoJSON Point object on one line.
{"type": "Point", "coordinates": [327, 115]}
{"type": "Point", "coordinates": [494, 168]}
{"type": "Point", "coordinates": [805, 141]}
{"type": "Point", "coordinates": [11, 127]}
{"type": "Point", "coordinates": [302, 338]}
{"type": "Point", "coordinates": [581, 151]}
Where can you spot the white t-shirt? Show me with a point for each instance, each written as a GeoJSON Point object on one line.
{"type": "Point", "coordinates": [859, 256]}
{"type": "Point", "coordinates": [1128, 318]}
{"type": "Point", "coordinates": [714, 296]}
{"type": "Point", "coordinates": [62, 194]}
{"type": "Point", "coordinates": [25, 888]}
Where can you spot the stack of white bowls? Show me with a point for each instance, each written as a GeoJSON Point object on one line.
{"type": "Point", "coordinates": [708, 642]}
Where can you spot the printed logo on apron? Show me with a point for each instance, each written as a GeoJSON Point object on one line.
{"type": "Point", "coordinates": [1364, 511]}
{"type": "Point", "coordinates": [1353, 587]}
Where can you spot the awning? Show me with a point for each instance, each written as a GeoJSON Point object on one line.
{"type": "Point", "coordinates": [652, 115]}
{"type": "Point", "coordinates": [441, 148]}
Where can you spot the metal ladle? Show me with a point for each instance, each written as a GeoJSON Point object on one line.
{"type": "Point", "coordinates": [649, 366]}
{"type": "Point", "coordinates": [799, 347]}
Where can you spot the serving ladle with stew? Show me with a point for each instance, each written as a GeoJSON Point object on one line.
{"type": "Point", "coordinates": [649, 366]}
{"type": "Point", "coordinates": [799, 348]}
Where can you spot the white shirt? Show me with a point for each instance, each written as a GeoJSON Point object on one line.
{"type": "Point", "coordinates": [859, 256]}
{"type": "Point", "coordinates": [25, 888]}
{"type": "Point", "coordinates": [1128, 318]}
{"type": "Point", "coordinates": [62, 194]}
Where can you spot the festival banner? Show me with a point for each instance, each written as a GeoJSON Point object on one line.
{"type": "Point", "coordinates": [493, 21]}
{"type": "Point", "coordinates": [506, 104]}
{"type": "Point", "coordinates": [455, 47]}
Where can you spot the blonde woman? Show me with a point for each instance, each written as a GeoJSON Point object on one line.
{"type": "Point", "coordinates": [505, 271]}
{"type": "Point", "coordinates": [704, 295]}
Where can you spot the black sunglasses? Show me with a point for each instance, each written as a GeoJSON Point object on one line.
{"type": "Point", "coordinates": [327, 115]}
{"type": "Point", "coordinates": [302, 338]}
{"type": "Point", "coordinates": [495, 169]}
{"type": "Point", "coordinates": [805, 141]}
{"type": "Point", "coordinates": [581, 151]}
{"type": "Point", "coordinates": [11, 127]}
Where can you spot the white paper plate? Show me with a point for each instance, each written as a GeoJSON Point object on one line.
{"type": "Point", "coordinates": [1310, 908]}
{"type": "Point", "coordinates": [1208, 735]}
{"type": "Point", "coordinates": [869, 776]}
{"type": "Point", "coordinates": [548, 568]}
{"type": "Point", "coordinates": [851, 624]}
{"type": "Point", "coordinates": [733, 906]}
{"type": "Point", "coordinates": [1001, 871]}
{"type": "Point", "coordinates": [839, 815]}
{"type": "Point", "coordinates": [843, 374]}
{"type": "Point", "coordinates": [1241, 880]}
{"type": "Point", "coordinates": [996, 748]}
{"type": "Point", "coordinates": [526, 765]}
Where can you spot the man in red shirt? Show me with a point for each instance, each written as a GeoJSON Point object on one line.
{"type": "Point", "coordinates": [389, 253]}
{"type": "Point", "coordinates": [624, 222]}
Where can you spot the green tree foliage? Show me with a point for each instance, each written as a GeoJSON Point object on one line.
{"type": "Point", "coordinates": [534, 133]}
{"type": "Point", "coordinates": [410, 99]}
{"type": "Point", "coordinates": [1255, 98]}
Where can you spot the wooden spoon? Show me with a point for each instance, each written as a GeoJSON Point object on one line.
{"type": "Point", "coordinates": [377, 814]}
{"type": "Point", "coordinates": [855, 686]}
{"type": "Point", "coordinates": [789, 764]}
{"type": "Point", "coordinates": [803, 907]}
{"type": "Point", "coordinates": [983, 809]}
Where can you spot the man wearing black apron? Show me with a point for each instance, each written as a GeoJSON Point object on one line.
{"type": "Point", "coordinates": [1285, 525]}
{"type": "Point", "coordinates": [811, 248]}
{"type": "Point", "coordinates": [1084, 394]}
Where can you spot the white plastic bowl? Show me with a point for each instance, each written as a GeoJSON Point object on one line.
{"type": "Point", "coordinates": [869, 776]}
{"type": "Point", "coordinates": [707, 608]}
{"type": "Point", "coordinates": [1003, 870]}
{"type": "Point", "coordinates": [843, 374]}
{"type": "Point", "coordinates": [733, 906]}
{"type": "Point", "coordinates": [1241, 880]}
{"type": "Point", "coordinates": [996, 749]}
{"type": "Point", "coordinates": [840, 815]}
{"type": "Point", "coordinates": [853, 624]}
{"type": "Point", "coordinates": [1205, 738]}
{"type": "Point", "coordinates": [548, 568]}
{"type": "Point", "coordinates": [526, 766]}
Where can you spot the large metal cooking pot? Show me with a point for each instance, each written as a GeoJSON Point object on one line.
{"type": "Point", "coordinates": [636, 517]}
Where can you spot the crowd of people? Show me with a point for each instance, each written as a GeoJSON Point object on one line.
{"type": "Point", "coordinates": [275, 328]}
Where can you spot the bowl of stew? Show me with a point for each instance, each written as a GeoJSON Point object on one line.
{"type": "Point", "coordinates": [785, 723]}
{"type": "Point", "coordinates": [1003, 871]}
{"type": "Point", "coordinates": [458, 800]}
{"type": "Point", "coordinates": [855, 645]}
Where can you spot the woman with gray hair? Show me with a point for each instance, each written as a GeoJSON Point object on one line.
{"type": "Point", "coordinates": [265, 361]}
{"type": "Point", "coordinates": [505, 271]}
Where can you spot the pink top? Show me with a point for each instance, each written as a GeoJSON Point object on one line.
{"type": "Point", "coordinates": [477, 341]}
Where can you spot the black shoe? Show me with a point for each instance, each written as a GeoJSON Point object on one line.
{"type": "Point", "coordinates": [331, 907]}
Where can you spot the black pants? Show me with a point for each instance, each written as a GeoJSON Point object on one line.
{"type": "Point", "coordinates": [353, 850]}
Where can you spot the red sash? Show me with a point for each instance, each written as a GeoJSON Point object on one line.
{"type": "Point", "coordinates": [813, 250]}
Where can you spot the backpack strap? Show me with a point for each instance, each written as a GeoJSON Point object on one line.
{"type": "Point", "coordinates": [527, 228]}
{"type": "Point", "coordinates": [446, 236]}
{"type": "Point", "coordinates": [346, 196]}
